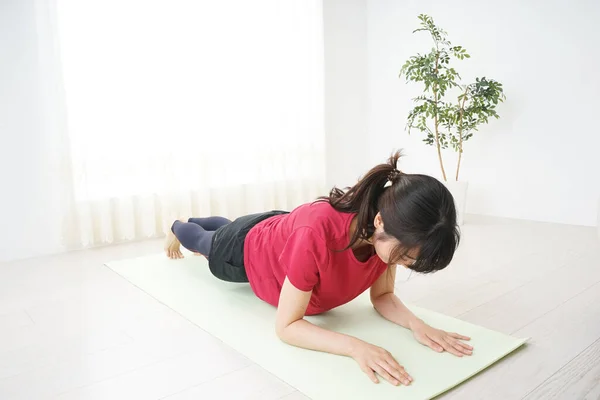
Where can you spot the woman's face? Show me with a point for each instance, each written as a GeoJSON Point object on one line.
{"type": "Point", "coordinates": [384, 245]}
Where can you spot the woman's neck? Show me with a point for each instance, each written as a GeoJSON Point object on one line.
{"type": "Point", "coordinates": [360, 243]}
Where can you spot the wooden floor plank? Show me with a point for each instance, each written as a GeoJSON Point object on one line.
{"type": "Point", "coordinates": [519, 307]}
{"type": "Point", "coordinates": [579, 379]}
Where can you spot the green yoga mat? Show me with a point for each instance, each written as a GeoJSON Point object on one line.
{"type": "Point", "coordinates": [233, 314]}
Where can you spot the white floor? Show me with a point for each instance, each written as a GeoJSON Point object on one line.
{"type": "Point", "coordinates": [72, 329]}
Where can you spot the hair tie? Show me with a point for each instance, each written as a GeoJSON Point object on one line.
{"type": "Point", "coordinates": [394, 175]}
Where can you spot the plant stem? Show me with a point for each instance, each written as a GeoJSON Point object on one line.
{"type": "Point", "coordinates": [435, 118]}
{"type": "Point", "coordinates": [460, 132]}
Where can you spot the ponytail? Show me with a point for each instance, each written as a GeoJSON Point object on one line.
{"type": "Point", "coordinates": [363, 198]}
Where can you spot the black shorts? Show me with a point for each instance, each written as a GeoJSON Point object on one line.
{"type": "Point", "coordinates": [226, 258]}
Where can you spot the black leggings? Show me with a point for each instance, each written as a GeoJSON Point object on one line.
{"type": "Point", "coordinates": [196, 234]}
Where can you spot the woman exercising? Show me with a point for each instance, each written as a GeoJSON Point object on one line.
{"type": "Point", "coordinates": [325, 253]}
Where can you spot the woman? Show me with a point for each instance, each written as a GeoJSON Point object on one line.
{"type": "Point", "coordinates": [325, 253]}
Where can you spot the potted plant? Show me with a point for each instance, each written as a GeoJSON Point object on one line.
{"type": "Point", "coordinates": [448, 112]}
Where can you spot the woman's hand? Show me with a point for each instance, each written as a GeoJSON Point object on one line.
{"type": "Point", "coordinates": [373, 359]}
{"type": "Point", "coordinates": [440, 340]}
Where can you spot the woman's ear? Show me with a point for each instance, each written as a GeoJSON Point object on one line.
{"type": "Point", "coordinates": [378, 223]}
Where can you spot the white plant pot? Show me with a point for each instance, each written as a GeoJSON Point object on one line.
{"type": "Point", "coordinates": [459, 192]}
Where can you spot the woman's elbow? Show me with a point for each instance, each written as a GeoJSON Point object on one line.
{"type": "Point", "coordinates": [375, 301]}
{"type": "Point", "coordinates": [285, 331]}
{"type": "Point", "coordinates": [379, 303]}
{"type": "Point", "coordinates": [282, 331]}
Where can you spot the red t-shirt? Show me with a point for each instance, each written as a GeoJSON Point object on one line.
{"type": "Point", "coordinates": [304, 246]}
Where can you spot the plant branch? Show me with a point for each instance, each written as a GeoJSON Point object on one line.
{"type": "Point", "coordinates": [460, 131]}
{"type": "Point", "coordinates": [435, 116]}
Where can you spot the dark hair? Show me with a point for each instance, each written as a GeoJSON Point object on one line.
{"type": "Point", "coordinates": [417, 210]}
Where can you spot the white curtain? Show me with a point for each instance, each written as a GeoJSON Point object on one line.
{"type": "Point", "coordinates": [188, 108]}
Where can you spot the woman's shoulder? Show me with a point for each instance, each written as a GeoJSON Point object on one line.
{"type": "Point", "coordinates": [323, 219]}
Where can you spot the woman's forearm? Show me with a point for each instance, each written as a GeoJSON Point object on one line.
{"type": "Point", "coordinates": [391, 308]}
{"type": "Point", "coordinates": [306, 335]}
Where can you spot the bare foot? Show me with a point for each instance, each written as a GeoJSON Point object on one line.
{"type": "Point", "coordinates": [172, 245]}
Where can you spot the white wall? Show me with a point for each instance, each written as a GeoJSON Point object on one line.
{"type": "Point", "coordinates": [540, 160]}
{"type": "Point", "coordinates": [345, 35]}
{"type": "Point", "coordinates": [28, 214]}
